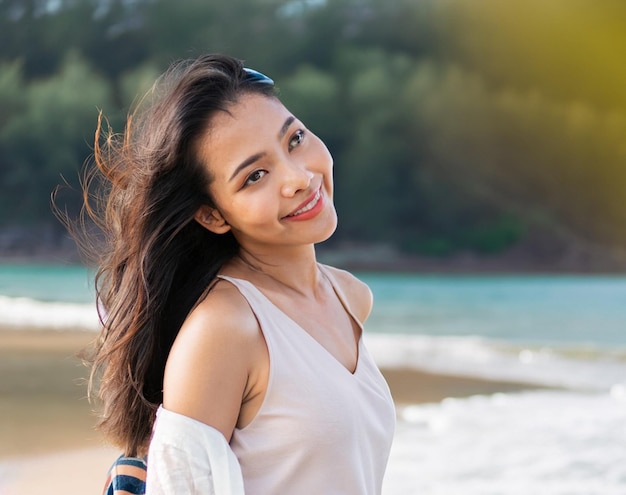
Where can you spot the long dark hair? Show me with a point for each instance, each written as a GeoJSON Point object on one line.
{"type": "Point", "coordinates": [154, 261]}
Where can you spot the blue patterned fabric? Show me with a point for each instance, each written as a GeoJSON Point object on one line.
{"type": "Point", "coordinates": [127, 476]}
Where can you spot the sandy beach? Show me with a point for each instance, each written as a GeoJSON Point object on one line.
{"type": "Point", "coordinates": [47, 424]}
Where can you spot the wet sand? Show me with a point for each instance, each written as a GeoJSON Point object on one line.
{"type": "Point", "coordinates": [47, 424]}
{"type": "Point", "coordinates": [43, 404]}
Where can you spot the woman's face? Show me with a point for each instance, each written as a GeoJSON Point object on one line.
{"type": "Point", "coordinates": [272, 178]}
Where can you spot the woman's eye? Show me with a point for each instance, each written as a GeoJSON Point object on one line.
{"type": "Point", "coordinates": [255, 177]}
{"type": "Point", "coordinates": [296, 139]}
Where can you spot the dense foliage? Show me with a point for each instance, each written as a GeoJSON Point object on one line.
{"type": "Point", "coordinates": [455, 125]}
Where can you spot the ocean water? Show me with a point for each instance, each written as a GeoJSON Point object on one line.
{"type": "Point", "coordinates": [47, 296]}
{"type": "Point", "coordinates": [562, 331]}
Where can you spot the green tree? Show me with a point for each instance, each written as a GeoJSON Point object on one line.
{"type": "Point", "coordinates": [48, 139]}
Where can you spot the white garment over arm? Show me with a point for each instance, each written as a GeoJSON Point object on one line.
{"type": "Point", "coordinates": [189, 457]}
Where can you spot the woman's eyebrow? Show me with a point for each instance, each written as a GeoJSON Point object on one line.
{"type": "Point", "coordinates": [248, 161]}
{"type": "Point", "coordinates": [251, 159]}
{"type": "Point", "coordinates": [285, 127]}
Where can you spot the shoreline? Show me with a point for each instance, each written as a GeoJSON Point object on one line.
{"type": "Point", "coordinates": [47, 424]}
{"type": "Point", "coordinates": [43, 394]}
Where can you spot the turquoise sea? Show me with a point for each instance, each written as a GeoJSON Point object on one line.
{"type": "Point", "coordinates": [562, 331]}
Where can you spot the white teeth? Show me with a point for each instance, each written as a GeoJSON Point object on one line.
{"type": "Point", "coordinates": [311, 205]}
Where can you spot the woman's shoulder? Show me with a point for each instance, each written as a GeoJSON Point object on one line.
{"type": "Point", "coordinates": [223, 312]}
{"type": "Point", "coordinates": [220, 331]}
{"type": "Point", "coordinates": [214, 354]}
{"type": "Point", "coordinates": [358, 294]}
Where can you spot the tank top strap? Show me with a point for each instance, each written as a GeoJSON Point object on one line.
{"type": "Point", "coordinates": [255, 298]}
{"type": "Point", "coordinates": [340, 294]}
{"type": "Point", "coordinates": [264, 310]}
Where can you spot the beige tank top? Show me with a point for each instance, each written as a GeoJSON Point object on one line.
{"type": "Point", "coordinates": [321, 429]}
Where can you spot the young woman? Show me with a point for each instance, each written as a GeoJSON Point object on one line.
{"type": "Point", "coordinates": [227, 350]}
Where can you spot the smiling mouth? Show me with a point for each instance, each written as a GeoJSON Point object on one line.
{"type": "Point", "coordinates": [309, 206]}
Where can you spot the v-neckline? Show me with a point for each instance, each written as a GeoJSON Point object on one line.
{"type": "Point", "coordinates": [307, 334]}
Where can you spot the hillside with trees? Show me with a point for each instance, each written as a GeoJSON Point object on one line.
{"type": "Point", "coordinates": [480, 130]}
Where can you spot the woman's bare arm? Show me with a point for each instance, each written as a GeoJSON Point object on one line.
{"type": "Point", "coordinates": [209, 366]}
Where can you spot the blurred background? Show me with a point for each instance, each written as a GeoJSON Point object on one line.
{"type": "Point", "coordinates": [480, 171]}
{"type": "Point", "coordinates": [461, 130]}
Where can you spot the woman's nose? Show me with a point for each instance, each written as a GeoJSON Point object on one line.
{"type": "Point", "coordinates": [296, 178]}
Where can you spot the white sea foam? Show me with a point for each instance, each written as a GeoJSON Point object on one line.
{"type": "Point", "coordinates": [22, 312]}
{"type": "Point", "coordinates": [578, 368]}
{"type": "Point", "coordinates": [540, 442]}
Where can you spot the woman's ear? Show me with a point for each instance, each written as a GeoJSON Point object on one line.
{"type": "Point", "coordinates": [211, 219]}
